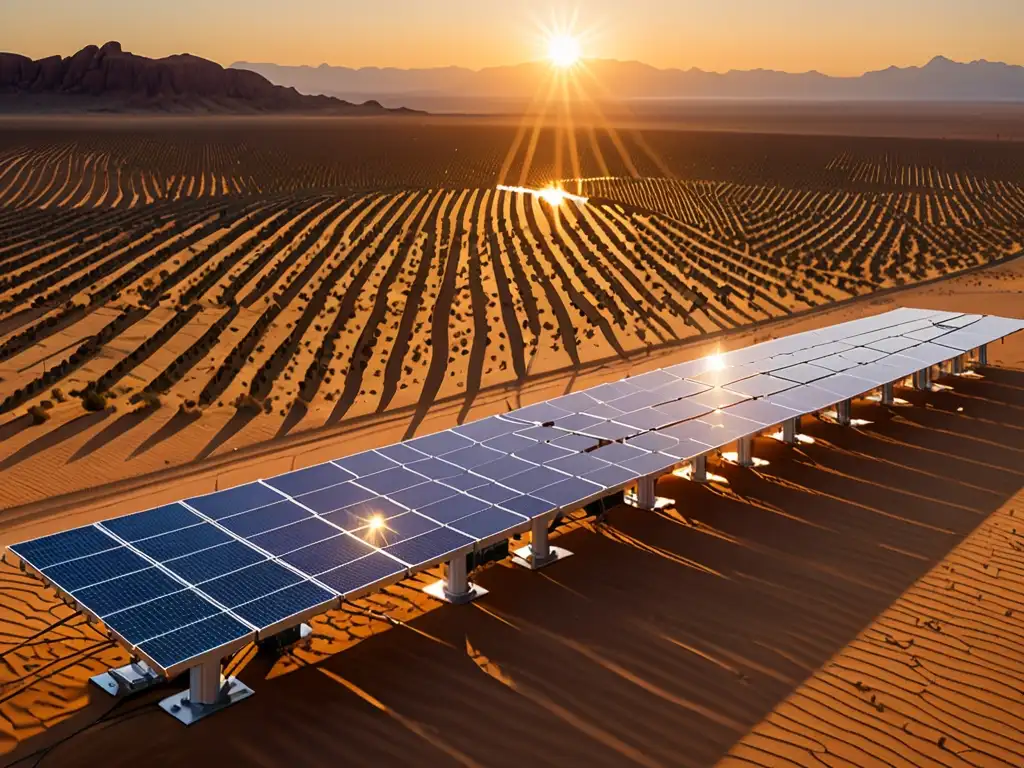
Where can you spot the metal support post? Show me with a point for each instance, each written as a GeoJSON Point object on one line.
{"type": "Point", "coordinates": [983, 354]}
{"type": "Point", "coordinates": [956, 365]}
{"type": "Point", "coordinates": [539, 552]}
{"type": "Point", "coordinates": [646, 498]}
{"type": "Point", "coordinates": [208, 692]}
{"type": "Point", "coordinates": [843, 408]}
{"type": "Point", "coordinates": [745, 452]}
{"type": "Point", "coordinates": [699, 469]}
{"type": "Point", "coordinates": [789, 430]}
{"type": "Point", "coordinates": [888, 397]}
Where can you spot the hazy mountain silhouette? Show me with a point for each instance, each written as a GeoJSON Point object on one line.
{"type": "Point", "coordinates": [110, 79]}
{"type": "Point", "coordinates": [939, 80]}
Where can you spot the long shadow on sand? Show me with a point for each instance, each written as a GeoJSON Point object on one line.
{"type": "Point", "coordinates": [663, 640]}
{"type": "Point", "coordinates": [118, 429]}
{"type": "Point", "coordinates": [55, 437]}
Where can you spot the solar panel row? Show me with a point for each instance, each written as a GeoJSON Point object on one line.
{"type": "Point", "coordinates": [207, 574]}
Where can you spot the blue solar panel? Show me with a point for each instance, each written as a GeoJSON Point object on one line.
{"type": "Point", "coordinates": [538, 413]}
{"type": "Point", "coordinates": [142, 586]}
{"type": "Point", "coordinates": [362, 573]}
{"type": "Point", "coordinates": [578, 464]}
{"type": "Point", "coordinates": [453, 508]}
{"type": "Point", "coordinates": [165, 614]}
{"type": "Point", "coordinates": [249, 583]}
{"type": "Point", "coordinates": [610, 430]}
{"type": "Point", "coordinates": [366, 463]}
{"type": "Point", "coordinates": [152, 522]}
{"type": "Point", "coordinates": [542, 453]}
{"type": "Point", "coordinates": [467, 458]}
{"type": "Point", "coordinates": [503, 467]}
{"type": "Point", "coordinates": [335, 497]}
{"type": "Point", "coordinates": [328, 554]}
{"type": "Point", "coordinates": [604, 411]}
{"type": "Point", "coordinates": [577, 421]}
{"type": "Point", "coordinates": [575, 443]}
{"type": "Point", "coordinates": [647, 419]}
{"type": "Point", "coordinates": [439, 544]}
{"type": "Point", "coordinates": [291, 537]}
{"type": "Point", "coordinates": [616, 453]}
{"type": "Point", "coordinates": [402, 453]}
{"type": "Point", "coordinates": [650, 441]}
{"type": "Point", "coordinates": [612, 476]}
{"type": "Point", "coordinates": [538, 477]}
{"type": "Point", "coordinates": [436, 469]}
{"type": "Point", "coordinates": [494, 493]}
{"type": "Point", "coordinates": [489, 523]}
{"type": "Point", "coordinates": [509, 443]}
{"type": "Point", "coordinates": [652, 380]}
{"type": "Point", "coordinates": [528, 506]}
{"type": "Point", "coordinates": [265, 518]}
{"type": "Point", "coordinates": [359, 515]}
{"type": "Point", "coordinates": [423, 494]}
{"type": "Point", "coordinates": [183, 542]}
{"type": "Point", "coordinates": [396, 529]}
{"type": "Point", "coordinates": [649, 464]}
{"type": "Point", "coordinates": [487, 428]}
{"type": "Point", "coordinates": [440, 443]}
{"type": "Point", "coordinates": [392, 480]}
{"type": "Point", "coordinates": [571, 491]}
{"type": "Point", "coordinates": [194, 640]}
{"type": "Point", "coordinates": [78, 542]}
{"type": "Point", "coordinates": [84, 571]}
{"type": "Point", "coordinates": [466, 482]}
{"type": "Point", "coordinates": [289, 602]}
{"type": "Point", "coordinates": [717, 398]}
{"type": "Point", "coordinates": [310, 479]}
{"type": "Point", "coordinates": [211, 563]}
{"type": "Point", "coordinates": [234, 500]}
{"type": "Point", "coordinates": [605, 393]}
{"type": "Point", "coordinates": [542, 434]}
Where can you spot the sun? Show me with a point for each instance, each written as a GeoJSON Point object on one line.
{"type": "Point", "coordinates": [564, 51]}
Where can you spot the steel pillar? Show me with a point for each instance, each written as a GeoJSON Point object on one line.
{"type": "Point", "coordinates": [208, 692]}
{"type": "Point", "coordinates": [888, 397]}
{"type": "Point", "coordinates": [956, 365]}
{"type": "Point", "coordinates": [539, 552]}
{"type": "Point", "coordinates": [789, 430]}
{"type": "Point", "coordinates": [923, 379]}
{"type": "Point", "coordinates": [646, 498]}
{"type": "Point", "coordinates": [699, 469]}
{"type": "Point", "coordinates": [745, 452]}
{"type": "Point", "coordinates": [843, 408]}
{"type": "Point", "coordinates": [455, 587]}
{"type": "Point", "coordinates": [983, 354]}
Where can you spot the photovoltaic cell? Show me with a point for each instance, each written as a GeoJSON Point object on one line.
{"type": "Point", "coordinates": [436, 469]}
{"type": "Point", "coordinates": [287, 603]}
{"type": "Point", "coordinates": [234, 500]}
{"type": "Point", "coordinates": [214, 562]}
{"type": "Point", "coordinates": [291, 537]}
{"type": "Point", "coordinates": [157, 617]}
{"type": "Point", "coordinates": [392, 480]}
{"type": "Point", "coordinates": [335, 497]}
{"type": "Point", "coordinates": [328, 554]}
{"type": "Point", "coordinates": [542, 453]}
{"type": "Point", "coordinates": [440, 544]}
{"type": "Point", "coordinates": [362, 574]}
{"type": "Point", "coordinates": [265, 518]}
{"type": "Point", "coordinates": [249, 584]}
{"type": "Point", "coordinates": [569, 492]}
{"type": "Point", "coordinates": [310, 479]}
{"type": "Point", "coordinates": [187, 643]}
{"type": "Point", "coordinates": [183, 542]}
{"type": "Point", "coordinates": [366, 463]}
{"type": "Point", "coordinates": [452, 509]}
{"type": "Point", "coordinates": [152, 522]}
{"type": "Point", "coordinates": [467, 458]}
{"type": "Point", "coordinates": [136, 588]}
{"type": "Point", "coordinates": [494, 493]}
{"type": "Point", "coordinates": [440, 443]}
{"type": "Point", "coordinates": [423, 494]}
{"type": "Point", "coordinates": [489, 523]}
{"type": "Point", "coordinates": [80, 573]}
{"type": "Point", "coordinates": [68, 545]}
{"type": "Point", "coordinates": [401, 453]}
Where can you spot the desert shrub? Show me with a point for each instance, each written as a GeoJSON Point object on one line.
{"type": "Point", "coordinates": [58, 394]}
{"type": "Point", "coordinates": [247, 402]}
{"type": "Point", "coordinates": [39, 415]}
{"type": "Point", "coordinates": [148, 399]}
{"type": "Point", "coordinates": [93, 400]}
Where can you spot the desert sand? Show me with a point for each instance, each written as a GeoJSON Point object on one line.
{"type": "Point", "coordinates": [856, 601]}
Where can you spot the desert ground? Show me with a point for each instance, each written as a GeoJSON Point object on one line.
{"type": "Point", "coordinates": [188, 307]}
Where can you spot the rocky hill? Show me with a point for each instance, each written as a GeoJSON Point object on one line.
{"type": "Point", "coordinates": [112, 80]}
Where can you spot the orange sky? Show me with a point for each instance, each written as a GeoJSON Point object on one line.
{"type": "Point", "coordinates": [834, 36]}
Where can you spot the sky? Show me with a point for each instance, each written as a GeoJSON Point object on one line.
{"type": "Point", "coordinates": [842, 37]}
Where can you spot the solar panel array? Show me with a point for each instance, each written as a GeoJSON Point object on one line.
{"type": "Point", "coordinates": [200, 577]}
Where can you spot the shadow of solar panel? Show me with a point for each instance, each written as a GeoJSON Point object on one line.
{"type": "Point", "coordinates": [436, 469]}
{"type": "Point", "coordinates": [214, 562]}
{"type": "Point", "coordinates": [366, 463]}
{"type": "Point", "coordinates": [136, 588]}
{"type": "Point", "coordinates": [249, 583]}
{"type": "Point", "coordinates": [363, 574]}
{"type": "Point", "coordinates": [335, 497]}
{"type": "Point", "coordinates": [292, 537]}
{"type": "Point", "coordinates": [423, 494]}
{"type": "Point", "coordinates": [289, 602]}
{"type": "Point", "coordinates": [452, 509]}
{"type": "Point", "coordinates": [309, 479]}
{"type": "Point", "coordinates": [265, 519]}
{"type": "Point", "coordinates": [187, 643]}
{"type": "Point", "coordinates": [110, 564]}
{"type": "Point", "coordinates": [490, 523]}
{"type": "Point", "coordinates": [78, 542]}
{"type": "Point", "coordinates": [157, 617]}
{"type": "Point", "coordinates": [152, 522]}
{"type": "Point", "coordinates": [570, 492]}
{"type": "Point", "coordinates": [183, 542]}
{"type": "Point", "coordinates": [435, 546]}
{"type": "Point", "coordinates": [234, 500]}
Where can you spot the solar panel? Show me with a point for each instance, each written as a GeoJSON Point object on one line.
{"type": "Point", "coordinates": [207, 574]}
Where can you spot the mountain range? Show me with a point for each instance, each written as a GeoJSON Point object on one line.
{"type": "Point", "coordinates": [109, 79]}
{"type": "Point", "coordinates": [609, 80]}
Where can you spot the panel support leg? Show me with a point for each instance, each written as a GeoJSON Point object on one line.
{"type": "Point", "coordinates": [699, 469]}
{"type": "Point", "coordinates": [923, 379]}
{"type": "Point", "coordinates": [789, 430]}
{"type": "Point", "coordinates": [208, 692]}
{"type": "Point", "coordinates": [539, 552]}
{"type": "Point", "coordinates": [455, 587]}
{"type": "Point", "coordinates": [745, 452]}
{"type": "Point", "coordinates": [983, 354]}
{"type": "Point", "coordinates": [956, 365]}
{"type": "Point", "coordinates": [645, 493]}
{"type": "Point", "coordinates": [888, 397]}
{"type": "Point", "coordinates": [843, 408]}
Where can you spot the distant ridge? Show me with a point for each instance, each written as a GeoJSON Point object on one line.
{"type": "Point", "coordinates": [939, 80]}
{"type": "Point", "coordinates": [109, 79]}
